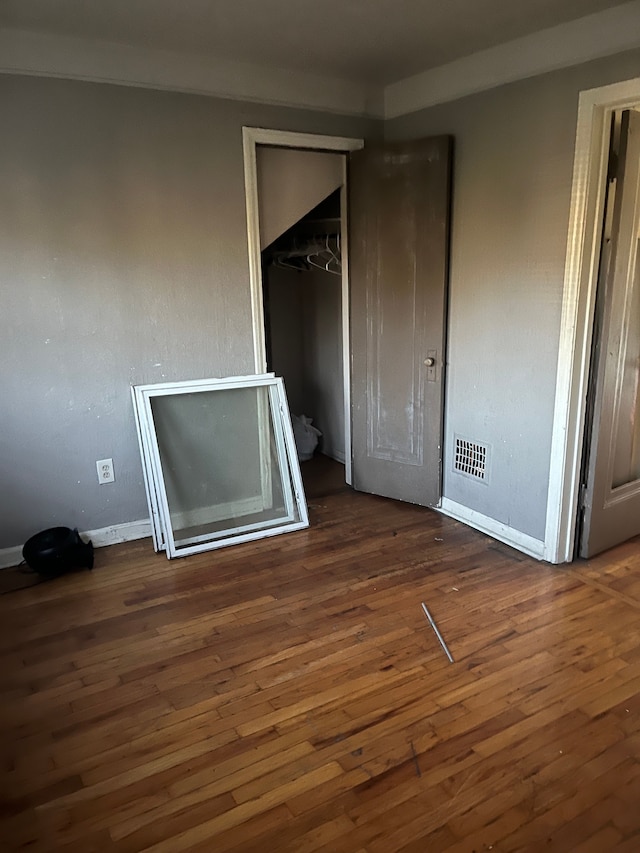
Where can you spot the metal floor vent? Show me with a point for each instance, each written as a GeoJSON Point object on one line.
{"type": "Point", "coordinates": [471, 459]}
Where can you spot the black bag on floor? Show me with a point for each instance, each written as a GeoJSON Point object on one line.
{"type": "Point", "coordinates": [58, 550]}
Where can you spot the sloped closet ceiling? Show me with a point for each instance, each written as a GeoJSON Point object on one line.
{"type": "Point", "coordinates": [290, 184]}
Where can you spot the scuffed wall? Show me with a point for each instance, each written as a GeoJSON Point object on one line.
{"type": "Point", "coordinates": [123, 260]}
{"type": "Point", "coordinates": [513, 163]}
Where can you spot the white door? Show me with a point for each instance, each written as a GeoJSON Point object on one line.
{"type": "Point", "coordinates": [611, 492]}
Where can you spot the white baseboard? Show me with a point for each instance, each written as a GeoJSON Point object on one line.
{"type": "Point", "coordinates": [112, 535]}
{"type": "Point", "coordinates": [206, 514]}
{"type": "Point", "coordinates": [10, 557]}
{"type": "Point", "coordinates": [333, 453]}
{"type": "Point", "coordinates": [131, 530]}
{"type": "Point", "coordinates": [509, 535]}
{"type": "Point", "coordinates": [126, 532]}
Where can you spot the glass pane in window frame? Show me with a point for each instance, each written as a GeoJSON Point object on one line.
{"type": "Point", "coordinates": [276, 413]}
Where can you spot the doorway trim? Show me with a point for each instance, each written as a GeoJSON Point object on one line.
{"type": "Point", "coordinates": [251, 138]}
{"type": "Point", "coordinates": [595, 107]}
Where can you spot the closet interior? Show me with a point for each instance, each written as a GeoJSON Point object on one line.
{"type": "Point", "coordinates": [302, 296]}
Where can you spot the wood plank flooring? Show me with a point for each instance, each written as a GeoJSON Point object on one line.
{"type": "Point", "coordinates": [289, 695]}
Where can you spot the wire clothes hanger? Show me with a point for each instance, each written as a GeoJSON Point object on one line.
{"type": "Point", "coordinates": [318, 252]}
{"type": "Point", "coordinates": [327, 259]}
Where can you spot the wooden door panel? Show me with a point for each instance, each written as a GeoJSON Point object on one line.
{"type": "Point", "coordinates": [399, 234]}
{"type": "Point", "coordinates": [612, 495]}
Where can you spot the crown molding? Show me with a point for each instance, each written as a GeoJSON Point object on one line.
{"type": "Point", "coordinates": [591, 37]}
{"type": "Point", "coordinates": [45, 55]}
{"type": "Point", "coordinates": [594, 36]}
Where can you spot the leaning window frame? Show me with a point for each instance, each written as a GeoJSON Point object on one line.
{"type": "Point", "coordinates": [278, 414]}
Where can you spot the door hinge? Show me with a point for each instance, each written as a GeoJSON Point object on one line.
{"type": "Point", "coordinates": [582, 498]}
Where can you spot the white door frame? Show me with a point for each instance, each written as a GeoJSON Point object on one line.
{"type": "Point", "coordinates": [251, 137]}
{"type": "Point", "coordinates": [588, 192]}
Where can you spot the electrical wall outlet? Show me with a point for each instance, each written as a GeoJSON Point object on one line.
{"type": "Point", "coordinates": [105, 471]}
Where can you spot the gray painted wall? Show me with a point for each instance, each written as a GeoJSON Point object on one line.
{"type": "Point", "coordinates": [123, 260]}
{"type": "Point", "coordinates": [324, 388]}
{"type": "Point", "coordinates": [513, 166]}
{"type": "Point", "coordinates": [285, 294]}
{"type": "Point", "coordinates": [306, 329]}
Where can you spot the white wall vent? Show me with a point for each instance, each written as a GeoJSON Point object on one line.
{"type": "Point", "coordinates": [471, 459]}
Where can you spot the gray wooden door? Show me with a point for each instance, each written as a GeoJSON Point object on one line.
{"type": "Point", "coordinates": [398, 262]}
{"type": "Point", "coordinates": [611, 512]}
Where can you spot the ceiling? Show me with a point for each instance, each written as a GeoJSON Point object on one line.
{"type": "Point", "coordinates": [375, 42]}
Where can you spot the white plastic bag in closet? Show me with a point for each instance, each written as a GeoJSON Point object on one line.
{"type": "Point", "coordinates": [306, 436]}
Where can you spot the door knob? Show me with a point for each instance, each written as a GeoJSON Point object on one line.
{"type": "Point", "coordinates": [429, 362]}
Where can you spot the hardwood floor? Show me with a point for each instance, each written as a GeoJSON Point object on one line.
{"type": "Point", "coordinates": [289, 695]}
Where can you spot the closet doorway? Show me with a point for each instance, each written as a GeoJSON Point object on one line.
{"type": "Point", "coordinates": [302, 301]}
{"type": "Point", "coordinates": [297, 222]}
